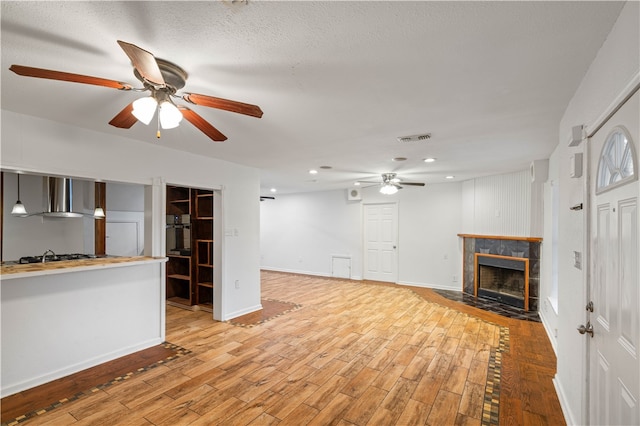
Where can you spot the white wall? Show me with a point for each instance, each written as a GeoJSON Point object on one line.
{"type": "Point", "coordinates": [35, 145]}
{"type": "Point", "coordinates": [615, 69]}
{"type": "Point", "coordinates": [548, 307]}
{"type": "Point", "coordinates": [300, 233]}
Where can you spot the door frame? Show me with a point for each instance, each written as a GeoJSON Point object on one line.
{"type": "Point", "coordinates": [590, 176]}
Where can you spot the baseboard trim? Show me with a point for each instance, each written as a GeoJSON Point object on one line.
{"type": "Point", "coordinates": [241, 312]}
{"type": "Point", "coordinates": [296, 271]}
{"type": "Point", "coordinates": [32, 382]}
{"type": "Point", "coordinates": [550, 333]}
{"type": "Point", "coordinates": [426, 285]}
{"type": "Point", "coordinates": [566, 411]}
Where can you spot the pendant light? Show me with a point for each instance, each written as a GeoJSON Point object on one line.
{"type": "Point", "coordinates": [98, 213]}
{"type": "Point", "coordinates": [18, 208]}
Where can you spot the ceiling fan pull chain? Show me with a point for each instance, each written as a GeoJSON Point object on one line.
{"type": "Point", "coordinates": [158, 121]}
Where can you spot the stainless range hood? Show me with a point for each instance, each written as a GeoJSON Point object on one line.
{"type": "Point", "coordinates": [58, 197]}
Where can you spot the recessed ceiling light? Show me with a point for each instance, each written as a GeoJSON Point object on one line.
{"type": "Point", "coordinates": [356, 183]}
{"type": "Point", "coordinates": [273, 190]}
{"type": "Point", "coordinates": [399, 159]}
{"type": "Point", "coordinates": [429, 160]}
{"type": "Point", "coordinates": [449, 177]}
{"type": "Point", "coordinates": [313, 172]}
{"type": "Point", "coordinates": [326, 167]}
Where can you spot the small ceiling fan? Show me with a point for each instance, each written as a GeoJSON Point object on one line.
{"type": "Point", "coordinates": [391, 183]}
{"type": "Point", "coordinates": [162, 79]}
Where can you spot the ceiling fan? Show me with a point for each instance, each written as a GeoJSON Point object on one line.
{"type": "Point", "coordinates": [391, 183]}
{"type": "Point", "coordinates": [162, 79]}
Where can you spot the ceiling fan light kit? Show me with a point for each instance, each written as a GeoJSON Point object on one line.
{"type": "Point", "coordinates": [163, 79]}
{"type": "Point", "coordinates": [388, 189]}
{"type": "Point", "coordinates": [390, 184]}
{"type": "Point", "coordinates": [144, 109]}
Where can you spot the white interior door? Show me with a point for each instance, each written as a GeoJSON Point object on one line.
{"type": "Point", "coordinates": [614, 366]}
{"type": "Point", "coordinates": [380, 235]}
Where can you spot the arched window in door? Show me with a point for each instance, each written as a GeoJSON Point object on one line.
{"type": "Point", "coordinates": [617, 161]}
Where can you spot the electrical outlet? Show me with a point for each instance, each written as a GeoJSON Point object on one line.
{"type": "Point", "coordinates": [446, 257]}
{"type": "Point", "coordinates": [455, 278]}
{"type": "Point", "coordinates": [237, 283]}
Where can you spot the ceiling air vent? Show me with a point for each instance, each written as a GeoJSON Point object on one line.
{"type": "Point", "coordinates": [415, 138]}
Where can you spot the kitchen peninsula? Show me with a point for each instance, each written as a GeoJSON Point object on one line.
{"type": "Point", "coordinates": [62, 317]}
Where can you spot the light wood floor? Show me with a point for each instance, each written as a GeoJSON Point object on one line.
{"type": "Point", "coordinates": [352, 353]}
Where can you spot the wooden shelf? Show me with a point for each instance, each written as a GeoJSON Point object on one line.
{"type": "Point", "coordinates": [178, 301]}
{"type": "Point", "coordinates": [178, 256]}
{"type": "Point", "coordinates": [205, 265]}
{"type": "Point", "coordinates": [209, 285]}
{"type": "Point", "coordinates": [179, 277]}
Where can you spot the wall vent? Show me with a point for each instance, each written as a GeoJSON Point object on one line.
{"type": "Point", "coordinates": [415, 138]}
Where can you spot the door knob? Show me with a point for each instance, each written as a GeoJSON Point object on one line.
{"type": "Point", "coordinates": [586, 330]}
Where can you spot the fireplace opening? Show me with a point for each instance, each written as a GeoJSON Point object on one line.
{"type": "Point", "coordinates": [503, 280]}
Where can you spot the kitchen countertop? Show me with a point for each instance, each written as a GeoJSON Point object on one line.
{"type": "Point", "coordinates": [10, 271]}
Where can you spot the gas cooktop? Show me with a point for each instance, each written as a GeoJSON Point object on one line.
{"type": "Point", "coordinates": [56, 258]}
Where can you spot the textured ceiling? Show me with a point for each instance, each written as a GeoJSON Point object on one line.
{"type": "Point", "coordinates": [338, 81]}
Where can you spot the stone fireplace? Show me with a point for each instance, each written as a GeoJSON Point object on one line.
{"type": "Point", "coordinates": [502, 268]}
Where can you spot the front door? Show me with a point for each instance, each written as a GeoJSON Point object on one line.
{"type": "Point", "coordinates": [380, 237]}
{"type": "Point", "coordinates": [614, 350]}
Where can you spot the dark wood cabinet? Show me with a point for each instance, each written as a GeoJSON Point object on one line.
{"type": "Point", "coordinates": [190, 246]}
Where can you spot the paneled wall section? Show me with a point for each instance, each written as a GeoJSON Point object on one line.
{"type": "Point", "coordinates": [498, 205]}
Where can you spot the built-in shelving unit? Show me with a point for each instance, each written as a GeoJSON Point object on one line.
{"type": "Point", "coordinates": [203, 242]}
{"type": "Point", "coordinates": [190, 247]}
{"type": "Point", "coordinates": [179, 291]}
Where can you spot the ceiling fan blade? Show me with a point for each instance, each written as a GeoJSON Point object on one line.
{"type": "Point", "coordinates": [66, 76]}
{"type": "Point", "coordinates": [144, 62]}
{"type": "Point", "coordinates": [202, 124]}
{"type": "Point", "coordinates": [225, 104]}
{"type": "Point", "coordinates": [412, 183]}
{"type": "Point", "coordinates": [124, 119]}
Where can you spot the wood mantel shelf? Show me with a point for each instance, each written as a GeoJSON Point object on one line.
{"type": "Point", "coordinates": [502, 237]}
